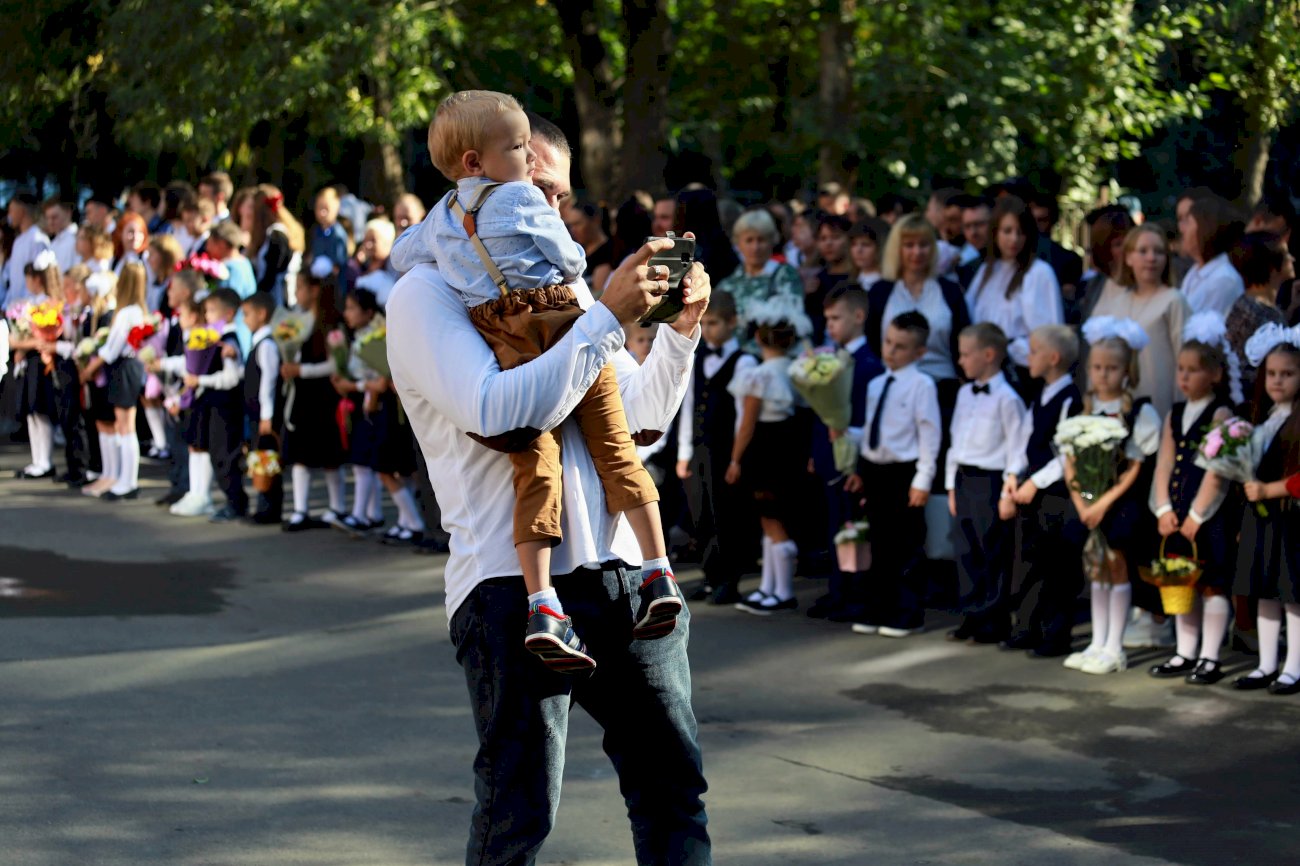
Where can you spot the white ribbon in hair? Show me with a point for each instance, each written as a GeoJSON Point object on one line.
{"type": "Point", "coordinates": [1099, 328]}
{"type": "Point", "coordinates": [44, 261]}
{"type": "Point", "coordinates": [1268, 338]}
{"type": "Point", "coordinates": [321, 267]}
{"type": "Point", "coordinates": [777, 310]}
{"type": "Point", "coordinates": [1210, 328]}
{"type": "Point", "coordinates": [99, 283]}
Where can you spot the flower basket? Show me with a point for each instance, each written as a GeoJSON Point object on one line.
{"type": "Point", "coordinates": [1176, 578]}
{"type": "Point", "coordinates": [264, 465]}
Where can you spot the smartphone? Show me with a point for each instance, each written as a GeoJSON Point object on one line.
{"type": "Point", "coordinates": [678, 260]}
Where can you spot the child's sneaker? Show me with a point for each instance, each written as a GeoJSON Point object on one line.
{"type": "Point", "coordinates": [661, 601]}
{"type": "Point", "coordinates": [552, 639]}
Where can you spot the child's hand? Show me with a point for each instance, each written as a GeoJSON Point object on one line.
{"type": "Point", "coordinates": [1092, 516]}
{"type": "Point", "coordinates": [1024, 495]}
{"type": "Point", "coordinates": [264, 427]}
{"type": "Point", "coordinates": [1168, 524]}
{"type": "Point", "coordinates": [342, 386]}
{"type": "Point", "coordinates": [1006, 508]}
{"type": "Point", "coordinates": [733, 473]}
{"type": "Point", "coordinates": [917, 498]}
{"type": "Point", "coordinates": [1254, 490]}
{"type": "Point", "coordinates": [290, 371]}
{"type": "Point", "coordinates": [1009, 486]}
{"type": "Point", "coordinates": [190, 380]}
{"type": "Point", "coordinates": [835, 434]}
{"type": "Point", "coordinates": [154, 366]}
{"type": "Point", "coordinates": [952, 502]}
{"type": "Point", "coordinates": [1189, 529]}
{"type": "Point", "coordinates": [853, 484]}
{"type": "Point", "coordinates": [683, 469]}
{"type": "Point", "coordinates": [229, 351]}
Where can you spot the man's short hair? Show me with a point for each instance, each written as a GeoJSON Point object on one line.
{"type": "Point", "coordinates": [64, 206]}
{"type": "Point", "coordinates": [220, 183]}
{"type": "Point", "coordinates": [1061, 339]}
{"type": "Point", "coordinates": [839, 223]}
{"type": "Point", "coordinates": [27, 201]}
{"type": "Point", "coordinates": [260, 301]}
{"type": "Point", "coordinates": [227, 299]}
{"type": "Point", "coordinates": [148, 192]}
{"type": "Point", "coordinates": [854, 297]}
{"type": "Point", "coordinates": [1049, 201]}
{"type": "Point", "coordinates": [873, 228]}
{"type": "Point", "coordinates": [227, 231]}
{"type": "Point", "coordinates": [913, 323]}
{"type": "Point", "coordinates": [458, 126]}
{"type": "Point", "coordinates": [553, 135]}
{"type": "Point", "coordinates": [722, 305]}
{"type": "Point", "coordinates": [988, 336]}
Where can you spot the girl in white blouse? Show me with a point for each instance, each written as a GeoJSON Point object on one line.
{"type": "Point", "coordinates": [1014, 289]}
{"type": "Point", "coordinates": [1120, 512]}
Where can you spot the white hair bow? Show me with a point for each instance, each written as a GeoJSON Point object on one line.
{"type": "Point", "coordinates": [779, 309]}
{"type": "Point", "coordinates": [44, 261]}
{"type": "Point", "coordinates": [1268, 338]}
{"type": "Point", "coordinates": [1210, 328]}
{"type": "Point", "coordinates": [1099, 328]}
{"type": "Point", "coordinates": [321, 267]}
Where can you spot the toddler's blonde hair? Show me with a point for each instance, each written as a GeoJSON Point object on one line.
{"type": "Point", "coordinates": [458, 126]}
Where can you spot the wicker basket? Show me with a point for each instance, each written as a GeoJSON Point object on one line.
{"type": "Point", "coordinates": [262, 483]}
{"type": "Point", "coordinates": [1175, 598]}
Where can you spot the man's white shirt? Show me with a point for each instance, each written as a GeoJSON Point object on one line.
{"type": "Point", "coordinates": [450, 383]}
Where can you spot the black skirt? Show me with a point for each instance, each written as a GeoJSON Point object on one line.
{"type": "Point", "coordinates": [1266, 566]}
{"type": "Point", "coordinates": [38, 397]}
{"type": "Point", "coordinates": [773, 466]}
{"type": "Point", "coordinates": [311, 435]}
{"type": "Point", "coordinates": [125, 383]}
{"type": "Point", "coordinates": [380, 440]}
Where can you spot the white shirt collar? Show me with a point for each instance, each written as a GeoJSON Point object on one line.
{"type": "Point", "coordinates": [264, 331]}
{"type": "Point", "coordinates": [1050, 391]}
{"type": "Point", "coordinates": [856, 343]}
{"type": "Point", "coordinates": [901, 372]}
{"type": "Point", "coordinates": [997, 378]}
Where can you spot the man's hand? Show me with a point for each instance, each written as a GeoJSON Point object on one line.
{"type": "Point", "coordinates": [696, 289]}
{"type": "Point", "coordinates": [916, 498]}
{"type": "Point", "coordinates": [632, 290]}
{"type": "Point", "coordinates": [683, 469]}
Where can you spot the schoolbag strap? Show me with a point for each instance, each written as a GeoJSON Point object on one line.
{"type": "Point", "coordinates": [467, 219]}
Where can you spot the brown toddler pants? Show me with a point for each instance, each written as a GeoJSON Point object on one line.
{"type": "Point", "coordinates": [519, 327]}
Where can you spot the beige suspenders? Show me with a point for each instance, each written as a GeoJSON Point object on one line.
{"type": "Point", "coordinates": [471, 229]}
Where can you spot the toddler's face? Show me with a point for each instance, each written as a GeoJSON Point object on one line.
{"type": "Point", "coordinates": [508, 156]}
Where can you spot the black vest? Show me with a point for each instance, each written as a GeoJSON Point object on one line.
{"type": "Point", "coordinates": [715, 409]}
{"type": "Point", "coordinates": [1185, 478]}
{"type": "Point", "coordinates": [253, 387]}
{"type": "Point", "coordinates": [1039, 452]}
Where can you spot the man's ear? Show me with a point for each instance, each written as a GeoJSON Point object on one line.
{"type": "Point", "coordinates": [470, 162]}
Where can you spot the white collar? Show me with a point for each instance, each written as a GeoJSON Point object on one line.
{"type": "Point", "coordinates": [993, 381]}
{"type": "Point", "coordinates": [1196, 407]}
{"type": "Point", "coordinates": [856, 343]}
{"type": "Point", "coordinates": [264, 331]}
{"type": "Point", "coordinates": [901, 372]}
{"type": "Point", "coordinates": [1283, 409]}
{"type": "Point", "coordinates": [1050, 391]}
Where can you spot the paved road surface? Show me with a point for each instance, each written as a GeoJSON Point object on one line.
{"type": "Point", "coordinates": [182, 694]}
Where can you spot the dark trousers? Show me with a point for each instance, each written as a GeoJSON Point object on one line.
{"type": "Point", "coordinates": [178, 466]}
{"type": "Point", "coordinates": [226, 447]}
{"type": "Point", "coordinates": [726, 524]}
{"type": "Point", "coordinates": [982, 542]}
{"type": "Point", "coordinates": [845, 592]}
{"type": "Point", "coordinates": [895, 585]}
{"type": "Point", "coordinates": [640, 694]}
{"type": "Point", "coordinates": [1049, 568]}
{"type": "Point", "coordinates": [72, 421]}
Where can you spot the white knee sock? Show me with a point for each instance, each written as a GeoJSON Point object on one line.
{"type": "Point", "coordinates": [301, 488]}
{"type": "Point", "coordinates": [1291, 670]}
{"type": "Point", "coordinates": [375, 510]}
{"type": "Point", "coordinates": [785, 553]}
{"type": "Point", "coordinates": [1270, 632]}
{"type": "Point", "coordinates": [768, 582]}
{"type": "Point", "coordinates": [1100, 598]}
{"type": "Point", "coordinates": [334, 484]}
{"type": "Point", "coordinates": [128, 449]}
{"type": "Point", "coordinates": [201, 474]}
{"type": "Point", "coordinates": [408, 516]}
{"type": "Point", "coordinates": [157, 421]}
{"type": "Point", "coordinates": [41, 432]}
{"type": "Point", "coordinates": [1187, 627]}
{"type": "Point", "coordinates": [108, 455]}
{"type": "Point", "coordinates": [1121, 597]}
{"type": "Point", "coordinates": [1215, 613]}
{"type": "Point", "coordinates": [363, 479]}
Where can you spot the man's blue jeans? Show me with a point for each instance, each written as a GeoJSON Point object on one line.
{"type": "Point", "coordinates": [640, 693]}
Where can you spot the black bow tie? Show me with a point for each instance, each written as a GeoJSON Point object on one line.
{"type": "Point", "coordinates": [710, 350]}
{"type": "Point", "coordinates": [981, 389]}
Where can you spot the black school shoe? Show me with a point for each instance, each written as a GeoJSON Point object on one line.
{"type": "Point", "coordinates": [1207, 673]}
{"type": "Point", "coordinates": [266, 518]}
{"type": "Point", "coordinates": [431, 546]}
{"type": "Point", "coordinates": [398, 536]}
{"type": "Point", "coordinates": [661, 601]}
{"type": "Point", "coordinates": [1248, 683]}
{"type": "Point", "coordinates": [552, 639]}
{"type": "Point", "coordinates": [1277, 687]}
{"type": "Point", "coordinates": [226, 515]}
{"type": "Point", "coordinates": [1169, 670]}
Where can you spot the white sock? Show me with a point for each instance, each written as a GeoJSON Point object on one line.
{"type": "Point", "coordinates": [408, 516]}
{"type": "Point", "coordinates": [201, 474]}
{"type": "Point", "coordinates": [1270, 632]}
{"type": "Point", "coordinates": [1291, 670]}
{"type": "Point", "coordinates": [363, 479]}
{"type": "Point", "coordinates": [1121, 598]}
{"type": "Point", "coordinates": [658, 562]}
{"type": "Point", "coordinates": [1215, 613]}
{"type": "Point", "coordinates": [547, 597]}
{"type": "Point", "coordinates": [108, 455]}
{"type": "Point", "coordinates": [41, 431]}
{"type": "Point", "coordinates": [34, 440]}
{"type": "Point", "coordinates": [334, 484]}
{"type": "Point", "coordinates": [128, 447]}
{"type": "Point", "coordinates": [157, 421]}
{"type": "Point", "coordinates": [1100, 599]}
{"type": "Point", "coordinates": [301, 488]}
{"type": "Point", "coordinates": [768, 582]}
{"type": "Point", "coordinates": [375, 510]}
{"type": "Point", "coordinates": [1187, 627]}
{"type": "Point", "coordinates": [784, 554]}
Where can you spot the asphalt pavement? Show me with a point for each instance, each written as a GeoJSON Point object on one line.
{"type": "Point", "coordinates": [194, 695]}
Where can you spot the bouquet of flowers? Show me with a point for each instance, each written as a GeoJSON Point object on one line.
{"type": "Point", "coordinates": [290, 329]}
{"type": "Point", "coordinates": [853, 546]}
{"type": "Point", "coordinates": [201, 348]}
{"type": "Point", "coordinates": [372, 349]}
{"type": "Point", "coordinates": [1094, 442]}
{"type": "Point", "coordinates": [263, 466]}
{"type": "Point", "coordinates": [1226, 452]}
{"type": "Point", "coordinates": [46, 320]}
{"type": "Point", "coordinates": [20, 322]}
{"type": "Point", "coordinates": [1176, 577]}
{"type": "Point", "coordinates": [214, 272]}
{"type": "Point", "coordinates": [340, 351]}
{"type": "Point", "coordinates": [149, 342]}
{"type": "Point", "coordinates": [824, 378]}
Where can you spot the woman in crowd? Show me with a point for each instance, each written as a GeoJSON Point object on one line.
{"type": "Point", "coordinates": [376, 244]}
{"type": "Point", "coordinates": [1106, 235]}
{"type": "Point", "coordinates": [1208, 232]}
{"type": "Point", "coordinates": [586, 225]}
{"type": "Point", "coordinates": [759, 276]}
{"type": "Point", "coordinates": [1265, 263]}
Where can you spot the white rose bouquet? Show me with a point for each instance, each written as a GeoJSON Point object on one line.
{"type": "Point", "coordinates": [1093, 441]}
{"type": "Point", "coordinates": [824, 378]}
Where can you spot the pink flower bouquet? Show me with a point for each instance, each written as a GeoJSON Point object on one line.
{"type": "Point", "coordinates": [1226, 452]}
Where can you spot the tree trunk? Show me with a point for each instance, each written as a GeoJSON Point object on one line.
{"type": "Point", "coordinates": [645, 93]}
{"type": "Point", "coordinates": [832, 93]}
{"type": "Point", "coordinates": [1251, 160]}
{"type": "Point", "coordinates": [599, 139]}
